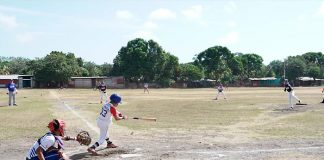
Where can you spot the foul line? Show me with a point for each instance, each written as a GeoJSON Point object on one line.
{"type": "Point", "coordinates": [76, 113]}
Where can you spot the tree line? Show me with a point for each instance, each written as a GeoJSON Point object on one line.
{"type": "Point", "coordinates": [146, 61]}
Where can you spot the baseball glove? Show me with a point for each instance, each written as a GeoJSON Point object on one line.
{"type": "Point", "coordinates": [84, 138]}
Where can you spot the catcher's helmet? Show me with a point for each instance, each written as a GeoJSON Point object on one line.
{"type": "Point", "coordinates": [57, 125]}
{"type": "Point", "coordinates": [115, 98]}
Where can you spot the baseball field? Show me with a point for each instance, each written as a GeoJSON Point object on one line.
{"type": "Point", "coordinates": [252, 123]}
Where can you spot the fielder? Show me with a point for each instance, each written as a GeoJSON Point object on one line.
{"type": "Point", "coordinates": [291, 94]}
{"type": "Point", "coordinates": [104, 120]}
{"type": "Point", "coordinates": [12, 91]}
{"type": "Point", "coordinates": [146, 88]}
{"type": "Point", "coordinates": [220, 90]}
{"type": "Point", "coordinates": [102, 89]}
{"type": "Point", "coordinates": [49, 146]}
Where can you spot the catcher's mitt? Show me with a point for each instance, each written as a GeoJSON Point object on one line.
{"type": "Point", "coordinates": [83, 138]}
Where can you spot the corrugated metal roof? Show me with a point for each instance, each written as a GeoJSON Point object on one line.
{"type": "Point", "coordinates": [9, 76]}
{"type": "Point", "coordinates": [86, 77]}
{"type": "Point", "coordinates": [308, 79]}
{"type": "Point", "coordinates": [263, 79]}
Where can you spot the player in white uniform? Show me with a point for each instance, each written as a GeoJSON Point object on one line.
{"type": "Point", "coordinates": [220, 90]}
{"type": "Point", "coordinates": [49, 146]}
{"type": "Point", "coordinates": [103, 93]}
{"type": "Point", "coordinates": [291, 94]}
{"type": "Point", "coordinates": [104, 120]}
{"type": "Point", "coordinates": [146, 88]}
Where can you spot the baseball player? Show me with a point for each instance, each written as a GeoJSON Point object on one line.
{"type": "Point", "coordinates": [220, 90]}
{"type": "Point", "coordinates": [49, 146]}
{"type": "Point", "coordinates": [146, 88]}
{"type": "Point", "coordinates": [104, 120]}
{"type": "Point", "coordinates": [323, 95]}
{"type": "Point", "coordinates": [291, 94]}
{"type": "Point", "coordinates": [12, 91]}
{"type": "Point", "coordinates": [102, 89]}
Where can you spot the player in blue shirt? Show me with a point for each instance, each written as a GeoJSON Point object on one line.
{"type": "Point", "coordinates": [12, 91]}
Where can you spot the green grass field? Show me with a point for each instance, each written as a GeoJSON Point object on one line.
{"type": "Point", "coordinates": [248, 114]}
{"type": "Point", "coordinates": [192, 109]}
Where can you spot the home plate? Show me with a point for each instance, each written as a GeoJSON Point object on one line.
{"type": "Point", "coordinates": [221, 155]}
{"type": "Point", "coordinates": [130, 155]}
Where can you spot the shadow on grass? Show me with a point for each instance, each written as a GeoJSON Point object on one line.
{"type": "Point", "coordinates": [4, 105]}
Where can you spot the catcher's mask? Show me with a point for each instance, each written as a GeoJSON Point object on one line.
{"type": "Point", "coordinates": [115, 98]}
{"type": "Point", "coordinates": [57, 125]}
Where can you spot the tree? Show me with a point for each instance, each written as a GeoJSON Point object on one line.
{"type": "Point", "coordinates": [189, 72]}
{"type": "Point", "coordinates": [252, 64]}
{"type": "Point", "coordinates": [92, 68]}
{"type": "Point", "coordinates": [18, 65]}
{"type": "Point", "coordinates": [235, 65]}
{"type": "Point", "coordinates": [4, 70]}
{"type": "Point", "coordinates": [312, 57]}
{"type": "Point", "coordinates": [295, 67]}
{"type": "Point", "coordinates": [314, 60]}
{"type": "Point", "coordinates": [314, 71]}
{"type": "Point", "coordinates": [130, 59]}
{"type": "Point", "coordinates": [166, 75]}
{"type": "Point", "coordinates": [106, 69]}
{"type": "Point", "coordinates": [277, 67]}
{"type": "Point", "coordinates": [56, 68]}
{"type": "Point", "coordinates": [146, 61]}
{"type": "Point", "coordinates": [155, 60]}
{"type": "Point", "coordinates": [4, 63]}
{"type": "Point", "coordinates": [215, 62]}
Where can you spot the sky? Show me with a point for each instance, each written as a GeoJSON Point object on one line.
{"type": "Point", "coordinates": [95, 30]}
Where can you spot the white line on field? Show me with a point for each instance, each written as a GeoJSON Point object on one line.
{"type": "Point", "coordinates": [76, 113]}
{"type": "Point", "coordinates": [256, 150]}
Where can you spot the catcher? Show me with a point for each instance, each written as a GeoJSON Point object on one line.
{"type": "Point", "coordinates": [105, 120]}
{"type": "Point", "coordinates": [50, 146]}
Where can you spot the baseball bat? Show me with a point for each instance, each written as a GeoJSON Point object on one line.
{"type": "Point", "coordinates": [145, 118]}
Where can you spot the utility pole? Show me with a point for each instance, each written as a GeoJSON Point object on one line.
{"type": "Point", "coordinates": [284, 69]}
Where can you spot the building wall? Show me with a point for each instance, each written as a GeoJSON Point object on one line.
{"type": "Point", "coordinates": [4, 82]}
{"type": "Point", "coordinates": [91, 82]}
{"type": "Point", "coordinates": [266, 83]}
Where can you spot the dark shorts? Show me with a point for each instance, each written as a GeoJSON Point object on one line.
{"type": "Point", "coordinates": [53, 155]}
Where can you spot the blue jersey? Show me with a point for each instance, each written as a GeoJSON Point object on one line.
{"type": "Point", "coordinates": [11, 87]}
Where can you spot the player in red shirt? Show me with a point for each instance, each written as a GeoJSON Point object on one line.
{"type": "Point", "coordinates": [323, 95]}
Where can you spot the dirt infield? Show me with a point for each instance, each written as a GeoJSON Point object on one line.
{"type": "Point", "coordinates": [254, 123]}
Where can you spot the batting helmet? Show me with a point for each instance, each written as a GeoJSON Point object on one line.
{"type": "Point", "coordinates": [115, 98]}
{"type": "Point", "coordinates": [57, 125]}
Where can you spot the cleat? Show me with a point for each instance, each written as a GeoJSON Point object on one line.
{"type": "Point", "coordinates": [111, 145]}
{"type": "Point", "coordinates": [92, 151]}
